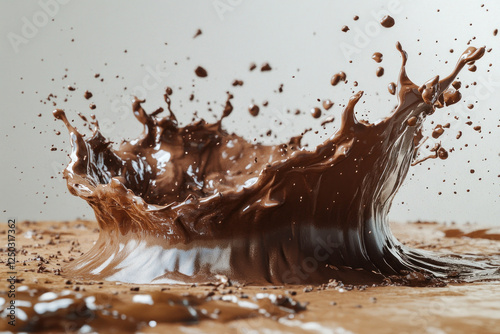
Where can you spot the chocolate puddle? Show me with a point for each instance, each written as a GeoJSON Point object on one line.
{"type": "Point", "coordinates": [481, 234]}
{"type": "Point", "coordinates": [68, 311]}
{"type": "Point", "coordinates": [184, 204]}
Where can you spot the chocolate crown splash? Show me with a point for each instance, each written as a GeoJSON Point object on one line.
{"type": "Point", "coordinates": [186, 204]}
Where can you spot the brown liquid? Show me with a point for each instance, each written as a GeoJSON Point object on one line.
{"type": "Point", "coordinates": [198, 33]}
{"type": "Point", "coordinates": [253, 109]}
{"type": "Point", "coordinates": [377, 56]}
{"type": "Point", "coordinates": [380, 71]}
{"type": "Point", "coordinates": [266, 67]}
{"type": "Point", "coordinates": [213, 308]}
{"type": "Point", "coordinates": [189, 204]}
{"type": "Point", "coordinates": [387, 21]}
{"type": "Point", "coordinates": [316, 112]}
{"type": "Point", "coordinates": [327, 104]}
{"type": "Point", "coordinates": [201, 72]}
{"type": "Point", "coordinates": [68, 311]}
{"type": "Point", "coordinates": [336, 78]}
{"type": "Point", "coordinates": [438, 131]}
{"type": "Point", "coordinates": [391, 88]}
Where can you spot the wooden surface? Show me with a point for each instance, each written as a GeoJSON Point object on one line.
{"type": "Point", "coordinates": [45, 247]}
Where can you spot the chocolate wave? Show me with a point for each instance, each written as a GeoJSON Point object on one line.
{"type": "Point", "coordinates": [185, 204]}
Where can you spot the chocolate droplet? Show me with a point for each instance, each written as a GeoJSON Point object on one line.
{"type": "Point", "coordinates": [380, 71]}
{"type": "Point", "coordinates": [327, 104]}
{"type": "Point", "coordinates": [341, 76]}
{"type": "Point", "coordinates": [377, 56]}
{"type": "Point", "coordinates": [266, 67]}
{"type": "Point", "coordinates": [253, 109]}
{"type": "Point", "coordinates": [387, 21]}
{"type": "Point", "coordinates": [201, 72]}
{"type": "Point", "coordinates": [316, 112]}
{"type": "Point", "coordinates": [442, 153]}
{"type": "Point", "coordinates": [391, 88]}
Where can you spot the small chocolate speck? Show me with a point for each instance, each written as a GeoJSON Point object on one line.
{"type": "Point", "coordinates": [92, 106]}
{"type": "Point", "coordinates": [237, 83]}
{"type": "Point", "coordinates": [345, 28]}
{"type": "Point", "coordinates": [265, 67]}
{"type": "Point", "coordinates": [198, 33]}
{"type": "Point", "coordinates": [253, 66]}
{"type": "Point", "coordinates": [71, 88]}
{"type": "Point", "coordinates": [87, 95]}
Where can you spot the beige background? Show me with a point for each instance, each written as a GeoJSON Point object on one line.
{"type": "Point", "coordinates": [290, 35]}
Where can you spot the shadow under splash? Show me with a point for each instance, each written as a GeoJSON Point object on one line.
{"type": "Point", "coordinates": [187, 204]}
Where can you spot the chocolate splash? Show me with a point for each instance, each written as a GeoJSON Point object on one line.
{"type": "Point", "coordinates": [185, 204]}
